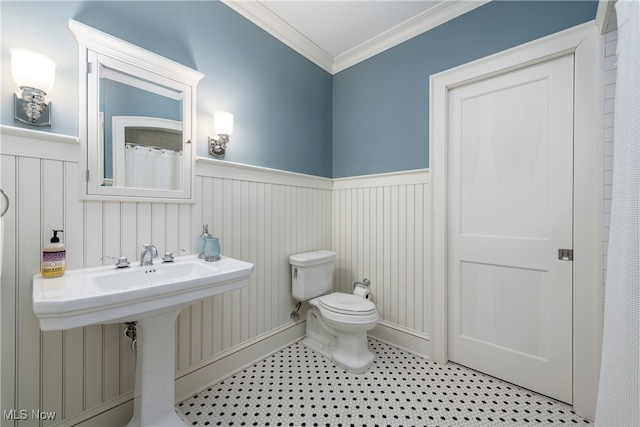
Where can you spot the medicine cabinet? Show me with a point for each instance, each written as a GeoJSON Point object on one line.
{"type": "Point", "coordinates": [137, 136]}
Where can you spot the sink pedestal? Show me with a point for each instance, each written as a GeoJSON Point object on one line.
{"type": "Point", "coordinates": [154, 403]}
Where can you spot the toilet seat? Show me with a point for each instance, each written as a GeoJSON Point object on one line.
{"type": "Point", "coordinates": [347, 304]}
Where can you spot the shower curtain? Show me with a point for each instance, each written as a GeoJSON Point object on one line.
{"type": "Point", "coordinates": [619, 390]}
{"type": "Point", "coordinates": [150, 167]}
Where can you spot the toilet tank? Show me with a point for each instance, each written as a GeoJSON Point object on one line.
{"type": "Point", "coordinates": [311, 274]}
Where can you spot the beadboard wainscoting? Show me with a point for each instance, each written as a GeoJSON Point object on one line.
{"type": "Point", "coordinates": [261, 216]}
{"type": "Point", "coordinates": [381, 231]}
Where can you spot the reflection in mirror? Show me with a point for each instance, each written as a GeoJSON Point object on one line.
{"type": "Point", "coordinates": [137, 158]}
{"type": "Point", "coordinates": [147, 153]}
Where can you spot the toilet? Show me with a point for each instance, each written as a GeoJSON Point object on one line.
{"type": "Point", "coordinates": [337, 323]}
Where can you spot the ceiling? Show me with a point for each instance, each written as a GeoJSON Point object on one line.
{"type": "Point", "coordinates": [339, 26]}
{"type": "Point", "coordinates": [336, 34]}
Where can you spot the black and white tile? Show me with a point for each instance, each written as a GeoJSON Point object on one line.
{"type": "Point", "coordinates": [297, 387]}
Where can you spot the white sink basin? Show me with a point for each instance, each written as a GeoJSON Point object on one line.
{"type": "Point", "coordinates": [155, 275]}
{"type": "Point", "coordinates": [109, 295]}
{"type": "Point", "coordinates": [152, 296]}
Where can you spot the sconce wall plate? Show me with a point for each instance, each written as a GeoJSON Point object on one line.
{"type": "Point", "coordinates": [32, 108]}
{"type": "Point", "coordinates": [217, 147]}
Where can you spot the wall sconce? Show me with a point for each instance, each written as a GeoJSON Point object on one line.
{"type": "Point", "coordinates": [223, 127]}
{"type": "Point", "coordinates": [34, 74]}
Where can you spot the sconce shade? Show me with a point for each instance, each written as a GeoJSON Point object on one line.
{"type": "Point", "coordinates": [223, 122]}
{"type": "Point", "coordinates": [31, 69]}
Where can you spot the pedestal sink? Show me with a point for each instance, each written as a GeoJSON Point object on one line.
{"type": "Point", "coordinates": [150, 295]}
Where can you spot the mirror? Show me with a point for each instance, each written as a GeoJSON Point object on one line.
{"type": "Point", "coordinates": [139, 124]}
{"type": "Point", "coordinates": [141, 132]}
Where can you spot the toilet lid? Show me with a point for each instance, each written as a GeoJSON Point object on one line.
{"type": "Point", "coordinates": [339, 302]}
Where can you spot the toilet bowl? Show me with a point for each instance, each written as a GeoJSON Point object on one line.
{"type": "Point", "coordinates": [337, 323]}
{"type": "Point", "coordinates": [337, 326]}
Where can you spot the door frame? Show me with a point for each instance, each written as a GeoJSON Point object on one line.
{"type": "Point", "coordinates": [583, 41]}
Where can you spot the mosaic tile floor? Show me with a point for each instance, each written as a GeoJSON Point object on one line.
{"type": "Point", "coordinates": [297, 387]}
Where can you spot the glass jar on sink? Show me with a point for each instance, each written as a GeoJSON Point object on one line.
{"type": "Point", "coordinates": [212, 249]}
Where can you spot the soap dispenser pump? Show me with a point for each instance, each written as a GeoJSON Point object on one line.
{"type": "Point", "coordinates": [54, 257]}
{"type": "Point", "coordinates": [203, 240]}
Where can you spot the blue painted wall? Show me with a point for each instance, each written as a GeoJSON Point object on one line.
{"type": "Point", "coordinates": [289, 113]}
{"type": "Point", "coordinates": [381, 106]}
{"type": "Point", "coordinates": [281, 101]}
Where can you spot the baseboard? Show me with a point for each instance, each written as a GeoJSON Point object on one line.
{"type": "Point", "coordinates": [233, 362]}
{"type": "Point", "coordinates": [403, 338]}
{"type": "Point", "coordinates": [116, 412]}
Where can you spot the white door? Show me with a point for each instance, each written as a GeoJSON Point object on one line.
{"type": "Point", "coordinates": [510, 162]}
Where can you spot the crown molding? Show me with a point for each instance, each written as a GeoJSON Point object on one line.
{"type": "Point", "coordinates": [421, 23]}
{"type": "Point", "coordinates": [264, 18]}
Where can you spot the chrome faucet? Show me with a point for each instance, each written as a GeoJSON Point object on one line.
{"type": "Point", "coordinates": [148, 254]}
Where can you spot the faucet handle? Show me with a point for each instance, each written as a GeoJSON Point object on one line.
{"type": "Point", "coordinates": [121, 261]}
{"type": "Point", "coordinates": [168, 256]}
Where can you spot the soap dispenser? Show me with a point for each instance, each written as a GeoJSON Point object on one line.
{"type": "Point", "coordinates": [53, 257]}
{"type": "Point", "coordinates": [203, 240]}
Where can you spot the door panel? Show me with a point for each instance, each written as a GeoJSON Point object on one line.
{"type": "Point", "coordinates": [510, 210]}
{"type": "Point", "coordinates": [504, 168]}
{"type": "Point", "coordinates": [506, 310]}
